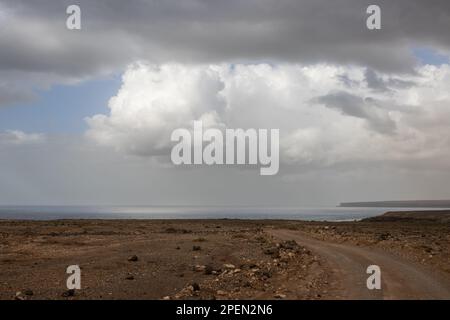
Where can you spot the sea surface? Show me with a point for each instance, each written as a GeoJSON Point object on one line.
{"type": "Point", "coordinates": [188, 212]}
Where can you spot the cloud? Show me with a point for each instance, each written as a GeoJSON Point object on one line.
{"type": "Point", "coordinates": [321, 122]}
{"type": "Point", "coordinates": [16, 137]}
{"type": "Point", "coordinates": [374, 81]}
{"type": "Point", "coordinates": [38, 51]}
{"type": "Point", "coordinates": [308, 31]}
{"type": "Point", "coordinates": [13, 95]}
{"type": "Point", "coordinates": [348, 101]}
{"type": "Point", "coordinates": [358, 107]}
{"type": "Point", "coordinates": [155, 100]}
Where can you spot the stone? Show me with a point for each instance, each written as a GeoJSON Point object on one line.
{"type": "Point", "coordinates": [195, 286]}
{"type": "Point", "coordinates": [68, 293]}
{"type": "Point", "coordinates": [384, 236]}
{"type": "Point", "coordinates": [19, 296]}
{"type": "Point", "coordinates": [133, 258]}
{"type": "Point", "coordinates": [28, 292]}
{"type": "Point", "coordinates": [199, 268]}
{"type": "Point", "coordinates": [289, 244]}
{"type": "Point", "coordinates": [272, 251]}
{"type": "Point", "coordinates": [209, 269]}
{"type": "Point", "coordinates": [267, 274]}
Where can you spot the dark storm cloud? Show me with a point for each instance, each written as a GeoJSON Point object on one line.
{"type": "Point", "coordinates": [377, 83]}
{"type": "Point", "coordinates": [116, 32]}
{"type": "Point", "coordinates": [374, 81]}
{"type": "Point", "coordinates": [358, 107]}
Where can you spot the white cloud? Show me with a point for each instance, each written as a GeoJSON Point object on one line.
{"type": "Point", "coordinates": [17, 137]}
{"type": "Point", "coordinates": [327, 114]}
{"type": "Point", "coordinates": [153, 101]}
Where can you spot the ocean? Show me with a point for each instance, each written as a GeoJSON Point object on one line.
{"type": "Point", "coordinates": [191, 212]}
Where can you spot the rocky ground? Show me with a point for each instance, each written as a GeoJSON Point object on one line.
{"type": "Point", "coordinates": [220, 259]}
{"type": "Point", "coordinates": [201, 259]}
{"type": "Point", "coordinates": [422, 240]}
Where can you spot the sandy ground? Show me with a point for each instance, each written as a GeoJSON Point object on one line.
{"type": "Point", "coordinates": [223, 259]}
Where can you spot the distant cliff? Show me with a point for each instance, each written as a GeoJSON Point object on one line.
{"type": "Point", "coordinates": [439, 216]}
{"type": "Point", "coordinates": [400, 204]}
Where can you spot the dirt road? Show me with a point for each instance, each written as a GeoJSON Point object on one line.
{"type": "Point", "coordinates": [400, 279]}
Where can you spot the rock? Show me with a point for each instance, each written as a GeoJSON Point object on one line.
{"type": "Point", "coordinates": [129, 277]}
{"type": "Point", "coordinates": [133, 258]}
{"type": "Point", "coordinates": [68, 293]}
{"type": "Point", "coordinates": [196, 248]}
{"type": "Point", "coordinates": [229, 266]}
{"type": "Point", "coordinates": [289, 244]}
{"type": "Point", "coordinates": [221, 293]}
{"type": "Point", "coordinates": [195, 286]}
{"type": "Point", "coordinates": [199, 268]}
{"type": "Point", "coordinates": [384, 236]}
{"type": "Point", "coordinates": [209, 269]}
{"type": "Point", "coordinates": [19, 296]}
{"type": "Point", "coordinates": [177, 248]}
{"type": "Point", "coordinates": [267, 274]}
{"type": "Point", "coordinates": [279, 296]}
{"type": "Point", "coordinates": [174, 230]}
{"type": "Point", "coordinates": [28, 292]}
{"type": "Point", "coordinates": [166, 298]}
{"type": "Point", "coordinates": [274, 251]}
{"type": "Point", "coordinates": [427, 249]}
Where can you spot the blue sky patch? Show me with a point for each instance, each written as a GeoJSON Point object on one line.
{"type": "Point", "coordinates": [61, 109]}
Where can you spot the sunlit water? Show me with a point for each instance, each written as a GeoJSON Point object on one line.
{"type": "Point", "coordinates": [186, 212]}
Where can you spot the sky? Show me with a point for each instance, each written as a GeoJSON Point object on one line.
{"type": "Point", "coordinates": [86, 115]}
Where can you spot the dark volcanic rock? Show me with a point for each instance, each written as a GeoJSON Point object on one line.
{"type": "Point", "coordinates": [196, 286]}
{"type": "Point", "coordinates": [289, 244]}
{"type": "Point", "coordinates": [273, 251]}
{"type": "Point", "coordinates": [28, 292]}
{"type": "Point", "coordinates": [68, 293]}
{"type": "Point", "coordinates": [209, 269]}
{"type": "Point", "coordinates": [133, 258]}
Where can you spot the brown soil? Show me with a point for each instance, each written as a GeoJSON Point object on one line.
{"type": "Point", "coordinates": [215, 259]}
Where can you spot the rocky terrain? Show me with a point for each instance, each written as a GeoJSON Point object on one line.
{"type": "Point", "coordinates": [200, 259]}
{"type": "Point", "coordinates": [422, 237]}
{"type": "Point", "coordinates": [221, 259]}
